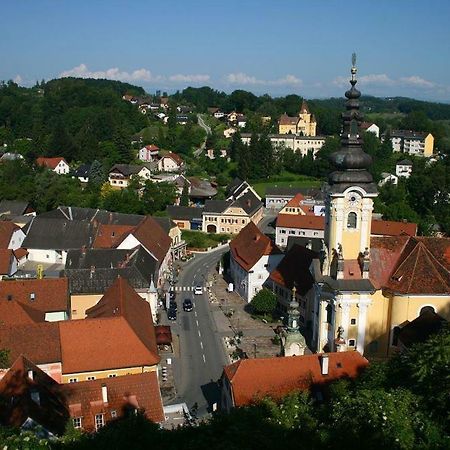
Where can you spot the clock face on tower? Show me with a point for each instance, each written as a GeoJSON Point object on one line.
{"type": "Point", "coordinates": [353, 198]}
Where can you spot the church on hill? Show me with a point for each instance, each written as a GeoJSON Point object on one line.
{"type": "Point", "coordinates": [303, 125]}
{"type": "Point", "coordinates": [360, 290]}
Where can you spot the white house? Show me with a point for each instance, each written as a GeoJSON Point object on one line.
{"type": "Point", "coordinates": [371, 127]}
{"type": "Point", "coordinates": [58, 164]}
{"type": "Point", "coordinates": [253, 256]}
{"type": "Point", "coordinates": [170, 162]}
{"type": "Point", "coordinates": [404, 168]}
{"type": "Point", "coordinates": [387, 178]}
{"type": "Point", "coordinates": [148, 153]}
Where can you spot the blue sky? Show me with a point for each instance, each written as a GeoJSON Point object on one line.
{"type": "Point", "coordinates": [273, 46]}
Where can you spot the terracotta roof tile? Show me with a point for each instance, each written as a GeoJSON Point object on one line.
{"type": "Point", "coordinates": [20, 253]}
{"type": "Point", "coordinates": [85, 399]}
{"type": "Point", "coordinates": [294, 269]}
{"type": "Point", "coordinates": [301, 221]}
{"type": "Point", "coordinates": [109, 236]}
{"type": "Point", "coordinates": [177, 158]}
{"type": "Point", "coordinates": [6, 258]}
{"type": "Point", "coordinates": [14, 313]}
{"type": "Point", "coordinates": [51, 163]}
{"type": "Point", "coordinates": [50, 294]}
{"type": "Point", "coordinates": [286, 120]}
{"type": "Point", "coordinates": [390, 228]}
{"type": "Point", "coordinates": [250, 245]}
{"type": "Point", "coordinates": [254, 379]}
{"type": "Point", "coordinates": [6, 231]}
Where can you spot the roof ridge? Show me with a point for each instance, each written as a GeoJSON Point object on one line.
{"type": "Point", "coordinates": [398, 267]}
{"type": "Point", "coordinates": [416, 249]}
{"type": "Point", "coordinates": [433, 260]}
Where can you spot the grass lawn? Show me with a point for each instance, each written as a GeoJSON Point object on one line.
{"type": "Point", "coordinates": [198, 239]}
{"type": "Point", "coordinates": [285, 179]}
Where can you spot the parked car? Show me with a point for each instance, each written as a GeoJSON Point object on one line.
{"type": "Point", "coordinates": [188, 305]}
{"type": "Point", "coordinates": [198, 290]}
{"type": "Point", "coordinates": [173, 305]}
{"type": "Point", "coordinates": [172, 314]}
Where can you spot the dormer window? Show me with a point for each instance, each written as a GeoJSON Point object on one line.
{"type": "Point", "coordinates": [352, 219]}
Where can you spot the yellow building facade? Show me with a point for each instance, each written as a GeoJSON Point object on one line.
{"type": "Point", "coordinates": [304, 124]}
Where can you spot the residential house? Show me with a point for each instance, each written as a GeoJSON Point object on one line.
{"type": "Point", "coordinates": [182, 119]}
{"type": "Point", "coordinates": [201, 191]}
{"type": "Point", "coordinates": [300, 204]}
{"type": "Point", "coordinates": [148, 153]}
{"type": "Point", "coordinates": [210, 153]}
{"type": "Point", "coordinates": [121, 175]}
{"type": "Point", "coordinates": [186, 217]}
{"type": "Point", "coordinates": [164, 102]}
{"type": "Point", "coordinates": [388, 178]}
{"type": "Point", "coordinates": [241, 121]}
{"type": "Point", "coordinates": [412, 142]}
{"type": "Point", "coordinates": [371, 127]}
{"type": "Point", "coordinates": [178, 247]}
{"type": "Point", "coordinates": [216, 113]}
{"type": "Point", "coordinates": [42, 404]}
{"type": "Point", "coordinates": [237, 188]}
{"type": "Point", "coordinates": [82, 173]}
{"type": "Point", "coordinates": [278, 196]}
{"type": "Point", "coordinates": [9, 209]}
{"type": "Point", "coordinates": [11, 156]}
{"type": "Point", "coordinates": [304, 124]}
{"type": "Point", "coordinates": [404, 168]}
{"type": "Point", "coordinates": [297, 143]}
{"type": "Point", "coordinates": [252, 257]}
{"type": "Point", "coordinates": [49, 296]}
{"type": "Point", "coordinates": [248, 381]}
{"type": "Point", "coordinates": [69, 351]}
{"type": "Point", "coordinates": [58, 164]}
{"type": "Point", "coordinates": [228, 132]}
{"type": "Point", "coordinates": [170, 162]}
{"type": "Point", "coordinates": [230, 216]}
{"type": "Point", "coordinates": [314, 227]}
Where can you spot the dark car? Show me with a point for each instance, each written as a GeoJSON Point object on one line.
{"type": "Point", "coordinates": [172, 314]}
{"type": "Point", "coordinates": [188, 305]}
{"type": "Point", "coordinates": [173, 305]}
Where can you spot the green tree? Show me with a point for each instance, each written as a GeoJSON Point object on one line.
{"type": "Point", "coordinates": [122, 142]}
{"type": "Point", "coordinates": [96, 174]}
{"type": "Point", "coordinates": [264, 302]}
{"type": "Point", "coordinates": [184, 200]}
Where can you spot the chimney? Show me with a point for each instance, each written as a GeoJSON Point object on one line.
{"type": "Point", "coordinates": [324, 364]}
{"type": "Point", "coordinates": [30, 374]}
{"type": "Point", "coordinates": [104, 393]}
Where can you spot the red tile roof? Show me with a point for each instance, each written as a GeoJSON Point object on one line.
{"type": "Point", "coordinates": [295, 201]}
{"type": "Point", "coordinates": [17, 390]}
{"type": "Point", "coordinates": [6, 258]}
{"type": "Point", "coordinates": [250, 245]}
{"type": "Point", "coordinates": [254, 379]}
{"type": "Point", "coordinates": [50, 294]}
{"type": "Point", "coordinates": [294, 269]}
{"type": "Point", "coordinates": [101, 344]}
{"type": "Point", "coordinates": [51, 163]}
{"type": "Point", "coordinates": [109, 236]}
{"type": "Point", "coordinates": [140, 391]}
{"type": "Point", "coordinates": [175, 157]}
{"type": "Point", "coordinates": [411, 265]}
{"type": "Point", "coordinates": [6, 231]}
{"type": "Point", "coordinates": [39, 342]}
{"type": "Point", "coordinates": [390, 228]}
{"type": "Point", "coordinates": [152, 236]}
{"type": "Point", "coordinates": [152, 148]}
{"type": "Point", "coordinates": [20, 253]}
{"type": "Point", "coordinates": [14, 313]}
{"type": "Point", "coordinates": [286, 120]}
{"type": "Point", "coordinates": [301, 221]}
{"type": "Point", "coordinates": [122, 300]}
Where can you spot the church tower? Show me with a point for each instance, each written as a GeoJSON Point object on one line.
{"type": "Point", "coordinates": [350, 193]}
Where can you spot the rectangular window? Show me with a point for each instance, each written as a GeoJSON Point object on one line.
{"type": "Point", "coordinates": [112, 375]}
{"type": "Point", "coordinates": [351, 342]}
{"type": "Point", "coordinates": [76, 422]}
{"type": "Point", "coordinates": [99, 421]}
{"type": "Point", "coordinates": [352, 321]}
{"type": "Point", "coordinates": [73, 380]}
{"type": "Point", "coordinates": [90, 378]}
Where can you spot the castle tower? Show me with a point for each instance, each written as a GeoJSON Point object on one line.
{"type": "Point", "coordinates": [306, 124]}
{"type": "Point", "coordinates": [350, 192]}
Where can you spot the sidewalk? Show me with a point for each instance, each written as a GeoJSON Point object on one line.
{"type": "Point", "coordinates": [231, 319]}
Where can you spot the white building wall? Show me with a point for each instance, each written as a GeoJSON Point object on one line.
{"type": "Point", "coordinates": [16, 240]}
{"type": "Point", "coordinates": [282, 234]}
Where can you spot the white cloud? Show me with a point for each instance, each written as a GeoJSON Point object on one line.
{"type": "Point", "coordinates": [417, 81]}
{"type": "Point", "coordinates": [374, 78]}
{"type": "Point", "coordinates": [18, 79]}
{"type": "Point", "coordinates": [243, 79]}
{"type": "Point", "coordinates": [113, 73]}
{"type": "Point", "coordinates": [193, 78]}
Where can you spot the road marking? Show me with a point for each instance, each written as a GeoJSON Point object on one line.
{"type": "Point", "coordinates": [196, 322]}
{"type": "Point", "coordinates": [204, 359]}
{"type": "Point", "coordinates": [195, 313]}
{"type": "Point", "coordinates": [199, 334]}
{"type": "Point", "coordinates": [201, 344]}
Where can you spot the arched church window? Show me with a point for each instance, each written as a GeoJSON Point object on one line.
{"type": "Point", "coordinates": [351, 220]}
{"type": "Point", "coordinates": [427, 309]}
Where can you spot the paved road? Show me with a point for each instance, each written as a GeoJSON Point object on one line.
{"type": "Point", "coordinates": [265, 223]}
{"type": "Point", "coordinates": [202, 123]}
{"type": "Point", "coordinates": [202, 355]}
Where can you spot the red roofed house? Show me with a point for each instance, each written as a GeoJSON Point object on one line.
{"type": "Point", "coordinates": [33, 400]}
{"type": "Point", "coordinates": [170, 162]}
{"type": "Point", "coordinates": [148, 153]}
{"type": "Point", "coordinates": [58, 164]}
{"type": "Point", "coordinates": [11, 235]}
{"type": "Point", "coordinates": [248, 381]}
{"type": "Point", "coordinates": [253, 257]}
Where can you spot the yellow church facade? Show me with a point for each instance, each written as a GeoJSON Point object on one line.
{"type": "Point", "coordinates": [366, 289]}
